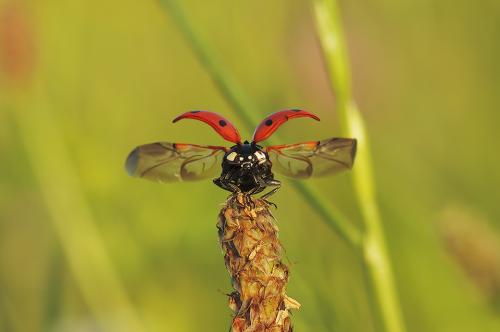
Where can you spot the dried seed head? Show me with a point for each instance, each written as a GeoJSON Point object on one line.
{"type": "Point", "coordinates": [252, 253]}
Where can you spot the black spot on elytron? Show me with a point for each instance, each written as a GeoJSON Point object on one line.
{"type": "Point", "coordinates": [296, 110]}
{"type": "Point", "coordinates": [222, 123]}
{"type": "Point", "coordinates": [195, 112]}
{"type": "Point", "coordinates": [269, 122]}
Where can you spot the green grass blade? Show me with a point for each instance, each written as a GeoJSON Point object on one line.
{"type": "Point", "coordinates": [374, 251]}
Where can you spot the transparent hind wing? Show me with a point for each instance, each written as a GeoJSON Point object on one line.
{"type": "Point", "coordinates": [315, 158]}
{"type": "Point", "coordinates": [174, 162]}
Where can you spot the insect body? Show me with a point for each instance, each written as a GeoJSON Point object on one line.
{"type": "Point", "coordinates": [246, 167]}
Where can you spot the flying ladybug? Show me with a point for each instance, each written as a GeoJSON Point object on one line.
{"type": "Point", "coordinates": [245, 167]}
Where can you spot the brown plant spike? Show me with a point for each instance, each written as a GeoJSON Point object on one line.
{"type": "Point", "coordinates": [252, 253]}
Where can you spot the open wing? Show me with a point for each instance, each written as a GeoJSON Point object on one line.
{"type": "Point", "coordinates": [172, 162]}
{"type": "Point", "coordinates": [315, 158]}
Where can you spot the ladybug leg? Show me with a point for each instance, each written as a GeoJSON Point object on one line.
{"type": "Point", "coordinates": [225, 183]}
{"type": "Point", "coordinates": [264, 197]}
{"type": "Point", "coordinates": [222, 184]}
{"type": "Point", "coordinates": [272, 183]}
{"type": "Point", "coordinates": [260, 183]}
{"type": "Point", "coordinates": [270, 203]}
{"type": "Point", "coordinates": [249, 201]}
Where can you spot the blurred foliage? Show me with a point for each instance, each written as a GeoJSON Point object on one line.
{"type": "Point", "coordinates": [83, 246]}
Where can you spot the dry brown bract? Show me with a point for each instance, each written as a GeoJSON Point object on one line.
{"type": "Point", "coordinates": [252, 253]}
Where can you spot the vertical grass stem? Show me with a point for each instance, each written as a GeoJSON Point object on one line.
{"type": "Point", "coordinates": [374, 249]}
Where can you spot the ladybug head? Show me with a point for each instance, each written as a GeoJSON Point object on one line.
{"type": "Point", "coordinates": [245, 155]}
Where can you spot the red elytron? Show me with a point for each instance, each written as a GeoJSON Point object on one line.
{"type": "Point", "coordinates": [246, 167]}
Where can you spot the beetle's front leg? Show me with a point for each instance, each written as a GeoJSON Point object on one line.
{"type": "Point", "coordinates": [272, 183]}
{"type": "Point", "coordinates": [263, 183]}
{"type": "Point", "coordinates": [224, 182]}
{"type": "Point", "coordinates": [259, 183]}
{"type": "Point", "coordinates": [221, 183]}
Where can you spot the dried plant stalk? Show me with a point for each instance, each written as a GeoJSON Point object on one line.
{"type": "Point", "coordinates": [252, 253]}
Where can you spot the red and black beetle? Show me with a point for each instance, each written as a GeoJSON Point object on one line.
{"type": "Point", "coordinates": [246, 167]}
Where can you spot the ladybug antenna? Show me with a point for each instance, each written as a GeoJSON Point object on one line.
{"type": "Point", "coordinates": [269, 125]}
{"type": "Point", "coordinates": [221, 125]}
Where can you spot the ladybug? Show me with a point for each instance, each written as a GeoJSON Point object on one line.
{"type": "Point", "coordinates": [247, 167]}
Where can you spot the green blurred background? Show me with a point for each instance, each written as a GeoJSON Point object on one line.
{"type": "Point", "coordinates": [83, 247]}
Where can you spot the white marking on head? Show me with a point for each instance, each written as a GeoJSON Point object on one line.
{"type": "Point", "coordinates": [261, 156]}
{"type": "Point", "coordinates": [231, 156]}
